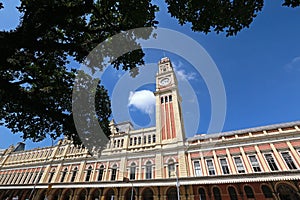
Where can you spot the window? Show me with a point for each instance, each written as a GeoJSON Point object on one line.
{"type": "Point", "coordinates": [254, 163]}
{"type": "Point", "coordinates": [210, 167]}
{"type": "Point", "coordinates": [232, 193]}
{"type": "Point", "coordinates": [217, 193]}
{"type": "Point", "coordinates": [288, 160]}
{"type": "Point", "coordinates": [145, 139]}
{"type": "Point", "coordinates": [64, 173]}
{"type": "Point", "coordinates": [249, 192]}
{"type": "Point", "coordinates": [51, 176]}
{"type": "Point", "coordinates": [74, 174]}
{"type": "Point", "coordinates": [153, 138]}
{"type": "Point", "coordinates": [148, 170]}
{"type": "Point", "coordinates": [170, 98]}
{"type": "Point", "coordinates": [135, 139]}
{"type": "Point", "coordinates": [197, 168]}
{"type": "Point", "coordinates": [115, 142]}
{"type": "Point", "coordinates": [122, 142]}
{"type": "Point", "coordinates": [118, 145]}
{"type": "Point", "coordinates": [149, 139]}
{"type": "Point", "coordinates": [113, 173]}
{"type": "Point", "coordinates": [132, 171]}
{"type": "Point", "coordinates": [224, 165]}
{"type": "Point", "coordinates": [239, 165]}
{"type": "Point", "coordinates": [271, 162]}
{"type": "Point", "coordinates": [202, 195]}
{"type": "Point", "coordinates": [166, 99]}
{"type": "Point", "coordinates": [267, 191]}
{"type": "Point", "coordinates": [139, 140]}
{"type": "Point", "coordinates": [161, 100]}
{"type": "Point", "coordinates": [88, 173]}
{"type": "Point", "coordinates": [130, 142]}
{"type": "Point", "coordinates": [100, 173]}
{"type": "Point", "coordinates": [171, 168]}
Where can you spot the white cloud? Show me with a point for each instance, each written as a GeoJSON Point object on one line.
{"type": "Point", "coordinates": [182, 74]}
{"type": "Point", "coordinates": [294, 64]}
{"type": "Point", "coordinates": [143, 100]}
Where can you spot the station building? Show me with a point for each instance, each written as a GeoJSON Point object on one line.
{"type": "Point", "coordinates": [158, 163]}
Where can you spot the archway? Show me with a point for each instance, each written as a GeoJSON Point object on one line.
{"type": "Point", "coordinates": [128, 195]}
{"type": "Point", "coordinates": [81, 195]}
{"type": "Point", "coordinates": [172, 194]}
{"type": "Point", "coordinates": [95, 195]}
{"type": "Point", "coordinates": [147, 194]}
{"type": "Point", "coordinates": [110, 195]}
{"type": "Point", "coordinates": [287, 192]}
{"type": "Point", "coordinates": [67, 195]}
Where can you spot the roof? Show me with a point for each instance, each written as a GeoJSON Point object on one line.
{"type": "Point", "coordinates": [247, 130]}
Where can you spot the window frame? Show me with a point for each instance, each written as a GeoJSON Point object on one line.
{"type": "Point", "coordinates": [274, 162]}
{"type": "Point", "coordinates": [213, 165]}
{"type": "Point", "coordinates": [197, 170]}
{"type": "Point", "coordinates": [253, 167]}
{"type": "Point", "coordinates": [228, 168]}
{"type": "Point", "coordinates": [291, 158]}
{"type": "Point", "coordinates": [236, 166]}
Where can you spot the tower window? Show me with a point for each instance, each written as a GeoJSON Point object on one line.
{"type": "Point", "coordinates": [161, 100]}
{"type": "Point", "coordinates": [166, 99]}
{"type": "Point", "coordinates": [113, 173]}
{"type": "Point", "coordinates": [153, 138]}
{"type": "Point", "coordinates": [170, 98]}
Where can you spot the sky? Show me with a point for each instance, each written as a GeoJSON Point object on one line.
{"type": "Point", "coordinates": [260, 69]}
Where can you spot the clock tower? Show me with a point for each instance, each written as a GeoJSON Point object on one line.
{"type": "Point", "coordinates": [169, 120]}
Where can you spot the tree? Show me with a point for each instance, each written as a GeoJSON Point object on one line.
{"type": "Point", "coordinates": [36, 82]}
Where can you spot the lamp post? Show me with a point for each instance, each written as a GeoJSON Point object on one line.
{"type": "Point", "coordinates": [177, 184]}
{"type": "Point", "coordinates": [126, 180]}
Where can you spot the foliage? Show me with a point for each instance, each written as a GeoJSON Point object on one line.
{"type": "Point", "coordinates": [36, 82]}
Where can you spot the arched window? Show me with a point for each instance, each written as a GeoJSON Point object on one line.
{"type": "Point", "coordinates": [74, 173]}
{"type": "Point", "coordinates": [100, 173]}
{"type": "Point", "coordinates": [172, 194]}
{"type": "Point", "coordinates": [217, 193]}
{"type": "Point", "coordinates": [148, 170]}
{"type": "Point", "coordinates": [267, 191]}
{"type": "Point", "coordinates": [145, 139]}
{"type": "Point", "coordinates": [232, 193]}
{"type": "Point", "coordinates": [153, 138]}
{"type": "Point", "coordinates": [88, 173]}
{"type": "Point", "coordinates": [139, 140]}
{"type": "Point", "coordinates": [249, 192]}
{"type": "Point", "coordinates": [63, 175]}
{"type": "Point", "coordinates": [171, 168]}
{"type": "Point", "coordinates": [113, 172]}
{"type": "Point", "coordinates": [134, 142]}
{"type": "Point", "coordinates": [51, 176]}
{"type": "Point", "coordinates": [132, 171]}
{"type": "Point", "coordinates": [149, 139]}
{"type": "Point", "coordinates": [170, 98]}
{"type": "Point", "coordinates": [130, 142]}
{"type": "Point", "coordinates": [202, 195]}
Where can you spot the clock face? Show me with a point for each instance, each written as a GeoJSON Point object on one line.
{"type": "Point", "coordinates": [164, 81]}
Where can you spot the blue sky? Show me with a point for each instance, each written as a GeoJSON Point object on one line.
{"type": "Point", "coordinates": [260, 68]}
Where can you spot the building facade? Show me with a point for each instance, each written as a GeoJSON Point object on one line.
{"type": "Point", "coordinates": [158, 163]}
